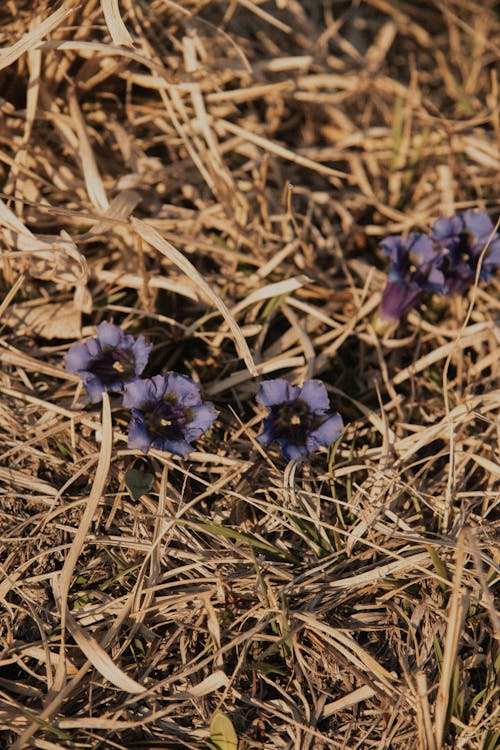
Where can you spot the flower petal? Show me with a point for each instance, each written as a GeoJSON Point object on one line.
{"type": "Point", "coordinates": [78, 357]}
{"type": "Point", "coordinates": [266, 437]}
{"type": "Point", "coordinates": [110, 335]}
{"type": "Point", "coordinates": [141, 350]}
{"type": "Point", "coordinates": [421, 248]}
{"type": "Point", "coordinates": [139, 392]}
{"type": "Point", "coordinates": [447, 231]}
{"type": "Point", "coordinates": [138, 436]}
{"type": "Point", "coordinates": [479, 224]}
{"type": "Point", "coordinates": [276, 391]}
{"type": "Point", "coordinates": [327, 433]}
{"type": "Point", "coordinates": [394, 246]}
{"type": "Point", "coordinates": [204, 417]}
{"type": "Point", "coordinates": [435, 281]}
{"type": "Point", "coordinates": [492, 260]}
{"type": "Point", "coordinates": [397, 300]}
{"type": "Point", "coordinates": [291, 451]}
{"type": "Point", "coordinates": [314, 393]}
{"type": "Point", "coordinates": [176, 447]}
{"type": "Point", "coordinates": [94, 388]}
{"type": "Point", "coordinates": [186, 390]}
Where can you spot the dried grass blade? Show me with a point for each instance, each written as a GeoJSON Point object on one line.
{"type": "Point", "coordinates": [264, 368]}
{"type": "Point", "coordinates": [395, 568]}
{"type": "Point", "coordinates": [90, 508]}
{"type": "Point", "coordinates": [136, 282]}
{"type": "Point", "coordinates": [275, 148]}
{"type": "Point", "coordinates": [408, 446]}
{"type": "Point", "coordinates": [152, 237]}
{"type": "Point", "coordinates": [91, 48]}
{"type": "Point", "coordinates": [33, 90]}
{"type": "Point", "coordinates": [11, 294]}
{"type": "Point", "coordinates": [100, 659]}
{"type": "Point", "coordinates": [119, 210]}
{"type": "Point", "coordinates": [423, 711]}
{"type": "Point", "coordinates": [351, 650]}
{"type": "Point", "coordinates": [11, 477]}
{"type": "Point", "coordinates": [268, 17]}
{"type": "Point", "coordinates": [351, 699]}
{"type": "Point", "coordinates": [28, 41]}
{"type": "Point", "coordinates": [9, 220]}
{"type": "Point", "coordinates": [93, 181]}
{"type": "Point", "coordinates": [210, 684]}
{"type": "Point", "coordinates": [457, 609]}
{"type": "Point", "coordinates": [277, 289]}
{"type": "Point", "coordinates": [470, 336]}
{"type": "Point", "coordinates": [115, 24]}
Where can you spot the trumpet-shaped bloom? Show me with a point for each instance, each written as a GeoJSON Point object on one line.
{"type": "Point", "coordinates": [444, 263]}
{"type": "Point", "coordinates": [414, 270]}
{"type": "Point", "coordinates": [109, 361]}
{"type": "Point", "coordinates": [167, 413]}
{"type": "Point", "coordinates": [298, 418]}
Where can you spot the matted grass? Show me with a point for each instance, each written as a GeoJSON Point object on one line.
{"type": "Point", "coordinates": [217, 176]}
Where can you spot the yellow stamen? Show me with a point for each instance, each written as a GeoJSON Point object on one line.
{"type": "Point", "coordinates": [165, 422]}
{"type": "Point", "coordinates": [118, 367]}
{"type": "Point", "coordinates": [295, 419]}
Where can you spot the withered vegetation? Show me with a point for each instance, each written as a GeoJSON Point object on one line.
{"type": "Point", "coordinates": [217, 175]}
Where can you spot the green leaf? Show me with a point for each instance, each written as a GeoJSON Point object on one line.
{"type": "Point", "coordinates": [222, 733]}
{"type": "Point", "coordinates": [229, 533]}
{"type": "Point", "coordinates": [138, 483]}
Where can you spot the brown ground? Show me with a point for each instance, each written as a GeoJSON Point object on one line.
{"type": "Point", "coordinates": [217, 175]}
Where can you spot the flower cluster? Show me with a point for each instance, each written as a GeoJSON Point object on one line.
{"type": "Point", "coordinates": [443, 262]}
{"type": "Point", "coordinates": [167, 412]}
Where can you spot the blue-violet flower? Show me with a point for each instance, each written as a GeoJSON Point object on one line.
{"type": "Point", "coordinates": [298, 418]}
{"type": "Point", "coordinates": [414, 270]}
{"type": "Point", "coordinates": [444, 263]}
{"type": "Point", "coordinates": [167, 413]}
{"type": "Point", "coordinates": [109, 361]}
{"type": "Point", "coordinates": [480, 229]}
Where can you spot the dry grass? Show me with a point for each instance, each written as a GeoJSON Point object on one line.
{"type": "Point", "coordinates": [216, 174]}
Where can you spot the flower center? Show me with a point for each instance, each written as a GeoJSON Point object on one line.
{"type": "Point", "coordinates": [114, 365]}
{"type": "Point", "coordinates": [167, 418]}
{"type": "Point", "coordinates": [293, 421]}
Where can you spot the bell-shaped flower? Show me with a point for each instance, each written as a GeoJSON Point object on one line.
{"type": "Point", "coordinates": [109, 361]}
{"type": "Point", "coordinates": [413, 271]}
{"type": "Point", "coordinates": [298, 418]}
{"type": "Point", "coordinates": [167, 413]}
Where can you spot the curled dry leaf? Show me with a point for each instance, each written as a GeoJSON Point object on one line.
{"type": "Point", "coordinates": [45, 257]}
{"type": "Point", "coordinates": [52, 259]}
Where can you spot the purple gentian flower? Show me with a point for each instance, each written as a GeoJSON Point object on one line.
{"type": "Point", "coordinates": [448, 232]}
{"type": "Point", "coordinates": [444, 263]}
{"type": "Point", "coordinates": [414, 270]}
{"type": "Point", "coordinates": [167, 413]}
{"type": "Point", "coordinates": [397, 299]}
{"type": "Point", "coordinates": [109, 361]}
{"type": "Point", "coordinates": [298, 420]}
{"type": "Point", "coordinates": [480, 228]}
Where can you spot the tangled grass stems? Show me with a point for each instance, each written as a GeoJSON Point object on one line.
{"type": "Point", "coordinates": [218, 177]}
